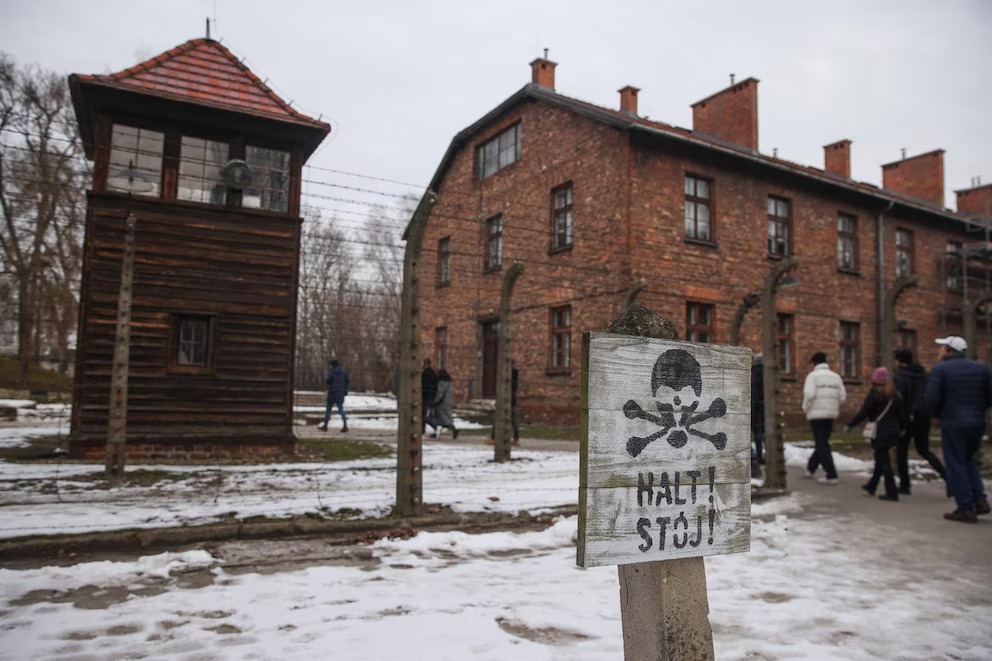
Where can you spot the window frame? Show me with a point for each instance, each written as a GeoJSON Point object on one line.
{"type": "Point", "coordinates": [694, 327]}
{"type": "Point", "coordinates": [203, 166]}
{"type": "Point", "coordinates": [440, 346]}
{"type": "Point", "coordinates": [156, 178]}
{"type": "Point", "coordinates": [560, 339]}
{"type": "Point", "coordinates": [849, 366]}
{"type": "Point", "coordinates": [694, 201]}
{"type": "Point", "coordinates": [905, 252]}
{"type": "Point", "coordinates": [256, 171]}
{"type": "Point", "coordinates": [850, 237]}
{"type": "Point", "coordinates": [779, 222]}
{"type": "Point", "coordinates": [176, 342]}
{"type": "Point", "coordinates": [444, 261]}
{"type": "Point", "coordinates": [905, 339]}
{"type": "Point", "coordinates": [494, 262]}
{"type": "Point", "coordinates": [482, 167]}
{"type": "Point", "coordinates": [785, 341]}
{"type": "Point", "coordinates": [954, 267]}
{"type": "Point", "coordinates": [566, 211]}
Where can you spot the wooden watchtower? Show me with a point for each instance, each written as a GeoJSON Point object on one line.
{"type": "Point", "coordinates": [208, 161]}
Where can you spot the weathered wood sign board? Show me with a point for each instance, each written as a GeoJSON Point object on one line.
{"type": "Point", "coordinates": [666, 450]}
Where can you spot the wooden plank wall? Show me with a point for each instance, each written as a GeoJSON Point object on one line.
{"type": "Point", "coordinates": [240, 267]}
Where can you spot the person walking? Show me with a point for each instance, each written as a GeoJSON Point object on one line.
{"type": "Point", "coordinates": [910, 380]}
{"type": "Point", "coordinates": [958, 393]}
{"type": "Point", "coordinates": [442, 404]}
{"type": "Point", "coordinates": [337, 390]}
{"type": "Point", "coordinates": [758, 408]}
{"type": "Point", "coordinates": [428, 390]}
{"type": "Point", "coordinates": [823, 393]}
{"type": "Point", "coordinates": [884, 407]}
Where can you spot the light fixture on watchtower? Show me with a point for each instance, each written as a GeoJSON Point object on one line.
{"type": "Point", "coordinates": [130, 180]}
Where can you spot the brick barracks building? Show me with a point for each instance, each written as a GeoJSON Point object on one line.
{"type": "Point", "coordinates": [602, 206]}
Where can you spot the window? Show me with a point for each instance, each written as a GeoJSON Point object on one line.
{"type": "Point", "coordinates": [444, 262]}
{"type": "Point", "coordinates": [193, 345]}
{"type": "Point", "coordinates": [698, 322]}
{"type": "Point", "coordinates": [953, 270]}
{"type": "Point", "coordinates": [906, 339]}
{"type": "Point", "coordinates": [904, 252]}
{"type": "Point", "coordinates": [494, 155]}
{"type": "Point", "coordinates": [847, 242]}
{"type": "Point", "coordinates": [561, 338]}
{"type": "Point", "coordinates": [200, 163]}
{"type": "Point", "coordinates": [698, 196]}
{"type": "Point", "coordinates": [778, 226]}
{"type": "Point", "coordinates": [136, 160]}
{"type": "Point", "coordinates": [562, 205]}
{"type": "Point", "coordinates": [441, 342]}
{"type": "Point", "coordinates": [850, 341]}
{"type": "Point", "coordinates": [269, 187]}
{"type": "Point", "coordinates": [494, 243]}
{"type": "Point", "coordinates": [786, 343]}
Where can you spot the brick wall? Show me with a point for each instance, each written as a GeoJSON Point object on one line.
{"type": "Point", "coordinates": [920, 176]}
{"type": "Point", "coordinates": [629, 206]}
{"type": "Point", "coordinates": [731, 114]}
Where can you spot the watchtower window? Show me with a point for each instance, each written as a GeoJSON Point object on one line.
{"type": "Point", "coordinates": [136, 160]}
{"type": "Point", "coordinates": [200, 163]}
{"type": "Point", "coordinates": [269, 187]}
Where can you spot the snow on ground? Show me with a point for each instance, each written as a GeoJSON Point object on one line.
{"type": "Point", "coordinates": [453, 596]}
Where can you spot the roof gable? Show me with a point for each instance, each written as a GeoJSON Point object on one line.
{"type": "Point", "coordinates": [204, 72]}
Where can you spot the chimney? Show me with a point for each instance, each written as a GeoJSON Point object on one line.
{"type": "Point", "coordinates": [975, 201]}
{"type": "Point", "coordinates": [628, 100]}
{"type": "Point", "coordinates": [543, 73]}
{"type": "Point", "coordinates": [920, 176]}
{"type": "Point", "coordinates": [730, 115]}
{"type": "Point", "coordinates": [837, 158]}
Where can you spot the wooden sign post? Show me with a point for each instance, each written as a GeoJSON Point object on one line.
{"type": "Point", "coordinates": [665, 475]}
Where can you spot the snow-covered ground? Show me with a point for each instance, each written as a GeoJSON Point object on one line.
{"type": "Point", "coordinates": [806, 590]}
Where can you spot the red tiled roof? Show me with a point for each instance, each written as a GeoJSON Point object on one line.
{"type": "Point", "coordinates": [204, 72]}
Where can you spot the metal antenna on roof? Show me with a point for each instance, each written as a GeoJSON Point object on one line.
{"type": "Point", "coordinates": [774, 149]}
{"type": "Point", "coordinates": [731, 79]}
{"type": "Point", "coordinates": [208, 27]}
{"type": "Point", "coordinates": [903, 150]}
{"type": "Point", "coordinates": [545, 53]}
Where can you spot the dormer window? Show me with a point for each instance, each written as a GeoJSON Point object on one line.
{"type": "Point", "coordinates": [269, 187]}
{"type": "Point", "coordinates": [200, 163]}
{"type": "Point", "coordinates": [136, 161]}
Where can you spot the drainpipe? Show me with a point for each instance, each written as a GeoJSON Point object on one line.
{"type": "Point", "coordinates": [880, 281]}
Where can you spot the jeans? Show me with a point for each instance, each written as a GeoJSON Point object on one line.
{"type": "Point", "coordinates": [964, 480]}
{"type": "Point", "coordinates": [919, 434]}
{"type": "Point", "coordinates": [883, 468]}
{"type": "Point", "coordinates": [822, 455]}
{"type": "Point", "coordinates": [330, 406]}
{"type": "Point", "coordinates": [759, 444]}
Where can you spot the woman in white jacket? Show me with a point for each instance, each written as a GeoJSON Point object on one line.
{"type": "Point", "coordinates": [823, 393]}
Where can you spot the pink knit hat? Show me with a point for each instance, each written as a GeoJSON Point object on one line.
{"type": "Point", "coordinates": [880, 376]}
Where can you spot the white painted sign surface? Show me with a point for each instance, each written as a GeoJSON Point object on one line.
{"type": "Point", "coordinates": [666, 450]}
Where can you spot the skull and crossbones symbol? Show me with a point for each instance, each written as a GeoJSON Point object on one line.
{"type": "Point", "coordinates": [676, 370]}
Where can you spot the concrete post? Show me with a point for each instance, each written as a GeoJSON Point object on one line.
{"type": "Point", "coordinates": [409, 434]}
{"type": "Point", "coordinates": [902, 283]}
{"type": "Point", "coordinates": [503, 423]}
{"type": "Point", "coordinates": [117, 426]}
{"type": "Point", "coordinates": [774, 439]}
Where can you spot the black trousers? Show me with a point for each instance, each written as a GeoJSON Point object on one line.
{"type": "Point", "coordinates": [919, 435]}
{"type": "Point", "coordinates": [822, 455]}
{"type": "Point", "coordinates": [883, 469]}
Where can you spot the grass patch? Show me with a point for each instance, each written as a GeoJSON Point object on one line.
{"type": "Point", "coordinates": [39, 449]}
{"type": "Point", "coordinates": [550, 433]}
{"type": "Point", "coordinates": [36, 379]}
{"type": "Point", "coordinates": [309, 449]}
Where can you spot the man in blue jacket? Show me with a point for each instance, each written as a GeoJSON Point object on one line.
{"type": "Point", "coordinates": [337, 388]}
{"type": "Point", "coordinates": [958, 393]}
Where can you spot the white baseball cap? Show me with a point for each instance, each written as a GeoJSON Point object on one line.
{"type": "Point", "coordinates": [954, 342]}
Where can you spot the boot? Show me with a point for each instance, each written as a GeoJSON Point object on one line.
{"type": "Point", "coordinates": [344, 430]}
{"type": "Point", "coordinates": [964, 516]}
{"type": "Point", "coordinates": [982, 506]}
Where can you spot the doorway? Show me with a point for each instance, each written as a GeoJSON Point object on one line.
{"type": "Point", "coordinates": [490, 357]}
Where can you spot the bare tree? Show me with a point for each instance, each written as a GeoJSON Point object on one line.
{"type": "Point", "coordinates": [42, 175]}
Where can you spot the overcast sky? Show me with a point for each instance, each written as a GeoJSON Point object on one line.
{"type": "Point", "coordinates": [398, 79]}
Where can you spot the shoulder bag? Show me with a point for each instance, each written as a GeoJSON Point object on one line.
{"type": "Point", "coordinates": [871, 427]}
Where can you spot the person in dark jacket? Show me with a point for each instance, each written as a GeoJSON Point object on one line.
{"type": "Point", "coordinates": [758, 407]}
{"type": "Point", "coordinates": [910, 379]}
{"type": "Point", "coordinates": [958, 394]}
{"type": "Point", "coordinates": [428, 390]}
{"type": "Point", "coordinates": [337, 390]}
{"type": "Point", "coordinates": [884, 407]}
{"type": "Point", "coordinates": [441, 407]}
